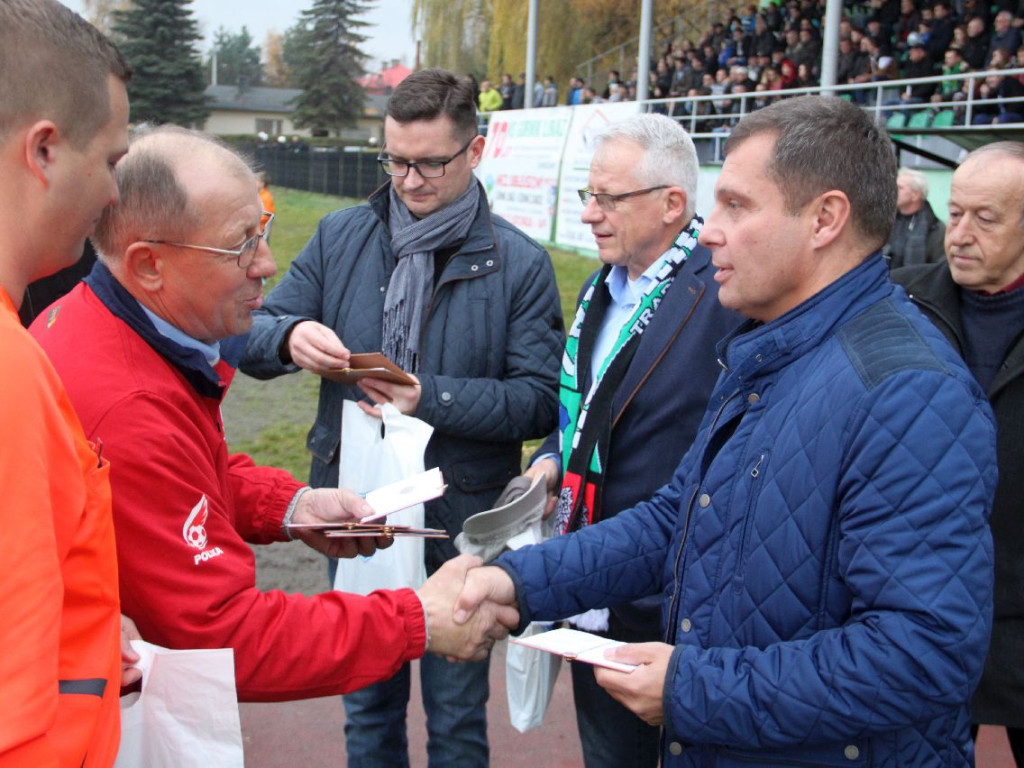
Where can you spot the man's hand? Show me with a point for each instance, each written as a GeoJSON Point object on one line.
{"type": "Point", "coordinates": [548, 469]}
{"type": "Point", "coordinates": [129, 658]}
{"type": "Point", "coordinates": [472, 638]}
{"type": "Point", "coordinates": [485, 585]}
{"type": "Point", "coordinates": [641, 690]}
{"type": "Point", "coordinates": [335, 505]}
{"type": "Point", "coordinates": [405, 397]}
{"type": "Point", "coordinates": [316, 347]}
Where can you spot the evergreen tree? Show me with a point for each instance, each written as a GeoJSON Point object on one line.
{"type": "Point", "coordinates": [158, 38]}
{"type": "Point", "coordinates": [238, 59]}
{"type": "Point", "coordinates": [292, 52]}
{"type": "Point", "coordinates": [328, 64]}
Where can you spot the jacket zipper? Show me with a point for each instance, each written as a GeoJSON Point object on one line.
{"type": "Point", "coordinates": [686, 530]}
{"type": "Point", "coordinates": [755, 473]}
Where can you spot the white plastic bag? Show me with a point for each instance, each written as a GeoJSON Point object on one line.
{"type": "Point", "coordinates": [530, 677]}
{"type": "Point", "coordinates": [515, 521]}
{"type": "Point", "coordinates": [186, 715]}
{"type": "Point", "coordinates": [368, 460]}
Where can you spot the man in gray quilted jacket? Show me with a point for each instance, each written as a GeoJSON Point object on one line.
{"type": "Point", "coordinates": [466, 303]}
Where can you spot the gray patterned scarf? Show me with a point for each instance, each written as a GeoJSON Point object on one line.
{"type": "Point", "coordinates": [414, 242]}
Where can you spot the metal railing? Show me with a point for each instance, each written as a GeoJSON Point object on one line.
{"type": "Point", "coordinates": [881, 97]}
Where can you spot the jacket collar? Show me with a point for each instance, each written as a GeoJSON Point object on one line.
{"type": "Point", "coordinates": [932, 287]}
{"type": "Point", "coordinates": [207, 380]}
{"type": "Point", "coordinates": [755, 350]}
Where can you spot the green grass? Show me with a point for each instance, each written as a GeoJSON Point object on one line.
{"type": "Point", "coordinates": [281, 445]}
{"type": "Point", "coordinates": [269, 420]}
{"type": "Point", "coordinates": [295, 221]}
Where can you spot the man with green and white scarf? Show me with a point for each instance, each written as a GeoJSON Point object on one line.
{"type": "Point", "coordinates": [637, 370]}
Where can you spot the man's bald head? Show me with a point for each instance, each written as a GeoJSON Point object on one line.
{"type": "Point", "coordinates": [164, 182]}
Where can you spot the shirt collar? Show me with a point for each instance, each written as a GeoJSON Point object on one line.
{"type": "Point", "coordinates": [210, 351]}
{"type": "Point", "coordinates": [626, 292]}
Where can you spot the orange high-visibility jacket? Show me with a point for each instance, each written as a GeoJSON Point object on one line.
{"type": "Point", "coordinates": [60, 660]}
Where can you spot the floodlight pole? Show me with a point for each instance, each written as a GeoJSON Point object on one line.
{"type": "Point", "coordinates": [643, 55]}
{"type": "Point", "coordinates": [830, 45]}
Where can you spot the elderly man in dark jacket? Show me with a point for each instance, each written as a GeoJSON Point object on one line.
{"type": "Point", "coordinates": [976, 299]}
{"type": "Point", "coordinates": [917, 232]}
{"type": "Point", "coordinates": [469, 305]}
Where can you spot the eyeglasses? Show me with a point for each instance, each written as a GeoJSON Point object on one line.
{"type": "Point", "coordinates": [245, 255]}
{"type": "Point", "coordinates": [608, 202]}
{"type": "Point", "coordinates": [427, 169]}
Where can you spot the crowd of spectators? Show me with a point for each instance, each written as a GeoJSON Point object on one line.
{"type": "Point", "coordinates": [507, 94]}
{"type": "Point", "coordinates": [778, 46]}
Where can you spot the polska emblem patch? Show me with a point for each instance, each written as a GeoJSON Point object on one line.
{"type": "Point", "coordinates": [194, 530]}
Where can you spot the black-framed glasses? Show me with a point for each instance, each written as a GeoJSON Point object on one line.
{"type": "Point", "coordinates": [608, 202]}
{"type": "Point", "coordinates": [245, 255]}
{"type": "Point", "coordinates": [427, 169]}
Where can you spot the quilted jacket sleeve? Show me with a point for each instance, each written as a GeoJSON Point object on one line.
{"type": "Point", "coordinates": [296, 298]}
{"type": "Point", "coordinates": [522, 403]}
{"type": "Point", "coordinates": [188, 577]}
{"type": "Point", "coordinates": [914, 493]}
{"type": "Point", "coordinates": [553, 442]}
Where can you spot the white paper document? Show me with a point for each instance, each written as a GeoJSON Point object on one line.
{"type": "Point", "coordinates": [576, 646]}
{"type": "Point", "coordinates": [404, 493]}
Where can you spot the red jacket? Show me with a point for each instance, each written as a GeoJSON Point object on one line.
{"type": "Point", "coordinates": [60, 624]}
{"type": "Point", "coordinates": [184, 509]}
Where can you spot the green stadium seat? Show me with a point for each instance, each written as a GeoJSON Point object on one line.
{"type": "Point", "coordinates": [944, 119]}
{"type": "Point", "coordinates": [922, 118]}
{"type": "Point", "coordinates": [896, 121]}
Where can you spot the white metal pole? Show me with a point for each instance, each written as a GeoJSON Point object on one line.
{"type": "Point", "coordinates": [830, 44]}
{"type": "Point", "coordinates": [643, 56]}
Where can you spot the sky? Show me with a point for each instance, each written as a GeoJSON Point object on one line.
{"type": "Point", "coordinates": [389, 38]}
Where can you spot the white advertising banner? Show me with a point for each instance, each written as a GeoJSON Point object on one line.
{"type": "Point", "coordinates": [588, 120]}
{"type": "Point", "coordinates": [520, 166]}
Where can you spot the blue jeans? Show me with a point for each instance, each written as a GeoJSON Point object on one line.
{"type": "Point", "coordinates": [455, 700]}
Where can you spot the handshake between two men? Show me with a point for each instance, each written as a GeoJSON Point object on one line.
{"type": "Point", "coordinates": [469, 606]}
{"type": "Point", "coordinates": [483, 621]}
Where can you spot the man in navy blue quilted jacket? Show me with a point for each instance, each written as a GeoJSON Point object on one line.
{"type": "Point", "coordinates": [822, 552]}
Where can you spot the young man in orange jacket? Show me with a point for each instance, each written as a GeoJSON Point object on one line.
{"type": "Point", "coordinates": [63, 127]}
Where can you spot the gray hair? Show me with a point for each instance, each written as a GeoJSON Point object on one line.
{"type": "Point", "coordinates": [153, 204]}
{"type": "Point", "coordinates": [55, 66]}
{"type": "Point", "coordinates": [916, 180]}
{"type": "Point", "coordinates": [669, 155]}
{"type": "Point", "coordinates": [823, 143]}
